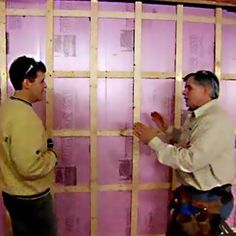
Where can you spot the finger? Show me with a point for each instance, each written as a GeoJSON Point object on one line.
{"type": "Point", "coordinates": [153, 113]}
{"type": "Point", "coordinates": [138, 129]}
{"type": "Point", "coordinates": [156, 116]}
{"type": "Point", "coordinates": [137, 134]}
{"type": "Point", "coordinates": [139, 125]}
{"type": "Point", "coordinates": [159, 119]}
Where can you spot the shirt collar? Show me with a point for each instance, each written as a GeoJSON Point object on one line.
{"type": "Point", "coordinates": [204, 108]}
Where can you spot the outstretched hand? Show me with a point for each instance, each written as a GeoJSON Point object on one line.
{"type": "Point", "coordinates": [144, 133]}
{"type": "Point", "coordinates": [159, 121]}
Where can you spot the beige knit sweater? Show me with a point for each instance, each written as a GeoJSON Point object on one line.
{"type": "Point", "coordinates": [25, 164]}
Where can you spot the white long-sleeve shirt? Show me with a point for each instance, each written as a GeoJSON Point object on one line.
{"type": "Point", "coordinates": [204, 154]}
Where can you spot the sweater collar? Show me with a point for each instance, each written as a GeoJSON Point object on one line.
{"type": "Point", "coordinates": [20, 99]}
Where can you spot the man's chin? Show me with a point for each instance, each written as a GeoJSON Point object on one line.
{"type": "Point", "coordinates": [38, 100]}
{"type": "Point", "coordinates": [189, 107]}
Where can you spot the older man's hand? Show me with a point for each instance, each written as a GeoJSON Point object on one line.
{"type": "Point", "coordinates": [159, 121]}
{"type": "Point", "coordinates": [144, 133]}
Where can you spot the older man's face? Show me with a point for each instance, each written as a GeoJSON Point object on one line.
{"type": "Point", "coordinates": [195, 95]}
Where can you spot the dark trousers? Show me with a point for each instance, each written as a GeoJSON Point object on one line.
{"type": "Point", "coordinates": [31, 216]}
{"type": "Point", "coordinates": [223, 193]}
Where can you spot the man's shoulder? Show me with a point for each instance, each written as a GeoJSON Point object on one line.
{"type": "Point", "coordinates": [15, 109]}
{"type": "Point", "coordinates": [217, 115]}
{"type": "Point", "coordinates": [216, 110]}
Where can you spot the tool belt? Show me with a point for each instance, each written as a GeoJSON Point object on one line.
{"type": "Point", "coordinates": [198, 212]}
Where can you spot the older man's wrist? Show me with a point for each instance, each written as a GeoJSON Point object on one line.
{"type": "Point", "coordinates": [155, 142]}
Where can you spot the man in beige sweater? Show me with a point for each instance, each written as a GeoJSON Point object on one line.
{"type": "Point", "coordinates": [201, 153]}
{"type": "Point", "coordinates": [26, 163]}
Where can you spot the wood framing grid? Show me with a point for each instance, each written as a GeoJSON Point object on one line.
{"type": "Point", "coordinates": [49, 13]}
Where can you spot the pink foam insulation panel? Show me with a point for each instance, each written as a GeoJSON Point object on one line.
{"type": "Point", "coordinates": [115, 103]}
{"type": "Point", "coordinates": [73, 165]}
{"type": "Point", "coordinates": [152, 211]}
{"type": "Point", "coordinates": [114, 166]}
{"type": "Point", "coordinates": [71, 104]}
{"type": "Point", "coordinates": [115, 44]}
{"type": "Point", "coordinates": [198, 47]}
{"type": "Point", "coordinates": [228, 48]}
{"type": "Point", "coordinates": [71, 108]}
{"type": "Point", "coordinates": [71, 43]}
{"type": "Point", "coordinates": [163, 45]}
{"type": "Point", "coordinates": [114, 210]}
{"type": "Point", "coordinates": [73, 213]}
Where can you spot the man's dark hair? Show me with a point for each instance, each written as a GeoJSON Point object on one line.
{"type": "Point", "coordinates": [24, 68]}
{"type": "Point", "coordinates": [206, 78]}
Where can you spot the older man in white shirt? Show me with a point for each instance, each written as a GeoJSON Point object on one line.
{"type": "Point", "coordinates": [201, 154]}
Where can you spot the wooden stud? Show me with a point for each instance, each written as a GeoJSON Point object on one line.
{"type": "Point", "coordinates": [158, 16]}
{"type": "Point", "coordinates": [93, 116]}
{"type": "Point", "coordinates": [129, 187]}
{"type": "Point", "coordinates": [59, 188]}
{"type": "Point", "coordinates": [115, 74]}
{"type": "Point", "coordinates": [179, 65]}
{"type": "Point", "coordinates": [153, 186]}
{"type": "Point", "coordinates": [72, 13]}
{"type": "Point", "coordinates": [70, 133]}
{"type": "Point", "coordinates": [49, 63]}
{"type": "Point", "coordinates": [218, 42]}
{"type": "Point", "coordinates": [3, 52]}
{"type": "Point", "coordinates": [229, 20]}
{"type": "Point", "coordinates": [116, 14]}
{"type": "Point", "coordinates": [179, 74]}
{"type": "Point", "coordinates": [199, 19]}
{"type": "Point", "coordinates": [158, 75]}
{"type": "Point", "coordinates": [3, 77]}
{"type": "Point", "coordinates": [86, 133]}
{"type": "Point", "coordinates": [71, 74]}
{"type": "Point", "coordinates": [136, 115]}
{"type": "Point", "coordinates": [228, 76]}
{"type": "Point", "coordinates": [112, 74]}
{"type": "Point", "coordinates": [113, 133]}
{"type": "Point", "coordinates": [26, 12]}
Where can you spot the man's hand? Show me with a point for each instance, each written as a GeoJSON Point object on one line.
{"type": "Point", "coordinates": [159, 121]}
{"type": "Point", "coordinates": [144, 133]}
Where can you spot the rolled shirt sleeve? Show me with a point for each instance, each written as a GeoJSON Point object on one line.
{"type": "Point", "coordinates": [207, 142]}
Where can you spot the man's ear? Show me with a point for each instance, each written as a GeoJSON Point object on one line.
{"type": "Point", "coordinates": [26, 84]}
{"type": "Point", "coordinates": [208, 90]}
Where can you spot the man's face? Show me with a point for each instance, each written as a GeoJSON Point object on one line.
{"type": "Point", "coordinates": [195, 95]}
{"type": "Point", "coordinates": [37, 88]}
